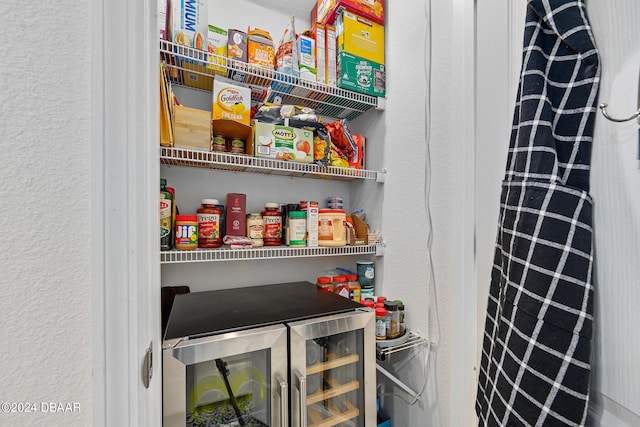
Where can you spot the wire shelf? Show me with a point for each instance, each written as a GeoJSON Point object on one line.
{"type": "Point", "coordinates": [274, 252]}
{"type": "Point", "coordinates": [240, 163]}
{"type": "Point", "coordinates": [194, 68]}
{"type": "Point", "coordinates": [413, 340]}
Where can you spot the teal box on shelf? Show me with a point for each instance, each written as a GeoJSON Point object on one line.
{"type": "Point", "coordinates": [361, 75]}
{"type": "Point", "coordinates": [383, 419]}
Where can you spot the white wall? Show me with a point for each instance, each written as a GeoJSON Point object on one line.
{"type": "Point", "coordinates": [45, 273]}
{"type": "Point", "coordinates": [615, 179]}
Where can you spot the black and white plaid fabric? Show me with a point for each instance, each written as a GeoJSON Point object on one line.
{"type": "Point", "coordinates": [537, 340]}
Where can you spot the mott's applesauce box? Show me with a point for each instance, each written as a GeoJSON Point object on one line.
{"type": "Point", "coordinates": [282, 142]}
{"type": "Point", "coordinates": [361, 75]}
{"type": "Point", "coordinates": [217, 46]}
{"type": "Point", "coordinates": [360, 37]}
{"type": "Point", "coordinates": [231, 101]}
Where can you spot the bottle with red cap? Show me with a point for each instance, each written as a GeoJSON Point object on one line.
{"type": "Point", "coordinates": [324, 284]}
{"type": "Point", "coordinates": [381, 323]}
{"type": "Point", "coordinates": [354, 287]}
{"type": "Point", "coordinates": [340, 286]}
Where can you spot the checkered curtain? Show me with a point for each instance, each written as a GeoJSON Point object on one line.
{"type": "Point", "coordinates": [535, 363]}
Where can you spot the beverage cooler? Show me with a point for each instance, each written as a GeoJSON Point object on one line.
{"type": "Point", "coordinates": [272, 355]}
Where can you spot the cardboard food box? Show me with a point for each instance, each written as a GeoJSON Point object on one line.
{"type": "Point", "coordinates": [236, 214]}
{"type": "Point", "coordinates": [311, 209]}
{"type": "Point", "coordinates": [217, 46]}
{"type": "Point", "coordinates": [321, 55]}
{"type": "Point", "coordinates": [370, 9]}
{"type": "Point", "coordinates": [260, 49]}
{"type": "Point", "coordinates": [307, 58]}
{"type": "Point", "coordinates": [231, 101]}
{"type": "Point", "coordinates": [360, 37]}
{"type": "Point", "coordinates": [331, 50]}
{"type": "Point", "coordinates": [191, 128]}
{"type": "Point", "coordinates": [361, 75]}
{"type": "Point", "coordinates": [282, 142]}
{"type": "Point", "coordinates": [188, 27]}
{"type": "Point", "coordinates": [357, 231]}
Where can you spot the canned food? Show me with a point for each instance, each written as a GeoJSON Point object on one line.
{"type": "Point", "coordinates": [219, 143]}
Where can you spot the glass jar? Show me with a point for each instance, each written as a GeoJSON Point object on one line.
{"type": "Point", "coordinates": [209, 224]}
{"type": "Point", "coordinates": [255, 229]}
{"type": "Point", "coordinates": [272, 218]}
{"type": "Point", "coordinates": [403, 326]}
{"type": "Point", "coordinates": [219, 144]}
{"type": "Point", "coordinates": [393, 319]}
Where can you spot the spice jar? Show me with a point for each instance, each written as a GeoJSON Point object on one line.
{"type": "Point", "coordinates": [393, 319]}
{"type": "Point", "coordinates": [340, 286]}
{"type": "Point", "coordinates": [219, 144]}
{"type": "Point", "coordinates": [354, 287]}
{"type": "Point", "coordinates": [255, 229]}
{"type": "Point", "coordinates": [186, 232]}
{"type": "Point", "coordinates": [403, 327]}
{"type": "Point", "coordinates": [272, 225]}
{"type": "Point", "coordinates": [209, 224]}
{"type": "Point", "coordinates": [381, 328]}
{"type": "Point", "coordinates": [324, 284]}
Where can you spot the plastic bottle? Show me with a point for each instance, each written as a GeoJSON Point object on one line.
{"type": "Point", "coordinates": [166, 209]}
{"type": "Point", "coordinates": [209, 216]}
{"type": "Point", "coordinates": [354, 287]}
{"type": "Point", "coordinates": [324, 284]}
{"type": "Point", "coordinates": [381, 323]}
{"type": "Point", "coordinates": [174, 212]}
{"type": "Point", "coordinates": [340, 286]}
{"type": "Point", "coordinates": [272, 218]}
{"type": "Point", "coordinates": [186, 232]}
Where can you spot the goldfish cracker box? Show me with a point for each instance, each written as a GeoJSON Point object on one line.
{"type": "Point", "coordinates": [369, 9]}
{"type": "Point", "coordinates": [282, 142]}
{"type": "Point", "coordinates": [231, 101]}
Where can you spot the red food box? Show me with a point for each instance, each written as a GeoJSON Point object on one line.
{"type": "Point", "coordinates": [236, 214]}
{"type": "Point", "coordinates": [369, 9]}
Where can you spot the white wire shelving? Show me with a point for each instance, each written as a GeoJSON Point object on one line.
{"type": "Point", "coordinates": [412, 340]}
{"type": "Point", "coordinates": [238, 163]}
{"type": "Point", "coordinates": [265, 252]}
{"type": "Point", "coordinates": [196, 69]}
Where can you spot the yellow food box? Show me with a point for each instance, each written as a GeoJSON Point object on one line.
{"type": "Point", "coordinates": [217, 48]}
{"type": "Point", "coordinates": [260, 48]}
{"type": "Point", "coordinates": [231, 101]}
{"type": "Point", "coordinates": [360, 37]}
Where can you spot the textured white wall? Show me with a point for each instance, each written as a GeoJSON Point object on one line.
{"type": "Point", "coordinates": [45, 307]}
{"type": "Point", "coordinates": [615, 179]}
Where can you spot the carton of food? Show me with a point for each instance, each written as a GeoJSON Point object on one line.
{"type": "Point", "coordinates": [237, 52]}
{"type": "Point", "coordinates": [369, 9]}
{"type": "Point", "coordinates": [360, 37]}
{"type": "Point", "coordinates": [189, 23]}
{"type": "Point", "coordinates": [217, 47]}
{"type": "Point", "coordinates": [282, 142]}
{"type": "Point", "coordinates": [321, 56]}
{"type": "Point", "coordinates": [331, 55]}
{"type": "Point", "coordinates": [236, 214]}
{"type": "Point", "coordinates": [260, 49]}
{"type": "Point", "coordinates": [307, 58]}
{"type": "Point", "coordinates": [311, 209]}
{"type": "Point", "coordinates": [361, 75]}
{"type": "Point", "coordinates": [231, 101]}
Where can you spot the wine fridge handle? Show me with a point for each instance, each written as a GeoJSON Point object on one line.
{"type": "Point", "coordinates": [302, 387]}
{"type": "Point", "coordinates": [284, 398]}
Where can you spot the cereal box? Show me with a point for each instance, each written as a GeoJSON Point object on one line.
{"type": "Point", "coordinates": [189, 23]}
{"type": "Point", "coordinates": [282, 142]}
{"type": "Point", "coordinates": [260, 48]}
{"type": "Point", "coordinates": [321, 58]}
{"type": "Point", "coordinates": [369, 9]}
{"type": "Point", "coordinates": [360, 37]}
{"type": "Point", "coordinates": [231, 101]}
{"type": "Point", "coordinates": [331, 53]}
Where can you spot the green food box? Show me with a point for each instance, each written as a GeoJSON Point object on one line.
{"type": "Point", "coordinates": [282, 142]}
{"type": "Point", "coordinates": [361, 75]}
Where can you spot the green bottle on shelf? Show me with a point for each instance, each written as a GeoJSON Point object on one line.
{"type": "Point", "coordinates": [166, 211]}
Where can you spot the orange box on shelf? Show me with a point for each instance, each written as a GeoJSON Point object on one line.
{"type": "Point", "coordinates": [370, 9]}
{"type": "Point", "coordinates": [231, 101]}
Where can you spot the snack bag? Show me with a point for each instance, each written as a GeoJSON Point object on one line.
{"type": "Point", "coordinates": [287, 55]}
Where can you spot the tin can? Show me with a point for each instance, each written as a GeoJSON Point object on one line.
{"type": "Point", "coordinates": [237, 146]}
{"type": "Point", "coordinates": [366, 274]}
{"type": "Point", "coordinates": [219, 143]}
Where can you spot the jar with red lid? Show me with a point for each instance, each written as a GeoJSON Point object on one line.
{"type": "Point", "coordinates": [272, 219]}
{"type": "Point", "coordinates": [368, 303]}
{"type": "Point", "coordinates": [209, 215]}
{"type": "Point", "coordinates": [186, 232]}
{"type": "Point", "coordinates": [381, 299]}
{"type": "Point", "coordinates": [354, 287]}
{"type": "Point", "coordinates": [340, 286]}
{"type": "Point", "coordinates": [324, 284]}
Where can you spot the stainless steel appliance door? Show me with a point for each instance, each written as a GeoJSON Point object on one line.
{"type": "Point", "coordinates": [212, 380]}
{"type": "Point", "coordinates": [333, 374]}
